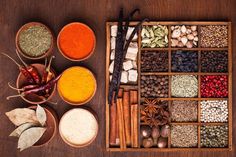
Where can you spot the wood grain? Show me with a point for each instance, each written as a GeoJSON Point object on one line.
{"type": "Point", "coordinates": [57, 13]}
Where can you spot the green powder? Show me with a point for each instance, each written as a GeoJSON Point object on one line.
{"type": "Point", "coordinates": [35, 40]}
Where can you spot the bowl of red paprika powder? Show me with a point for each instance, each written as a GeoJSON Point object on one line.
{"type": "Point", "coordinates": [76, 41]}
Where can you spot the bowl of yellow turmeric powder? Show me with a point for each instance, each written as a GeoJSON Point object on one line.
{"type": "Point", "coordinates": [77, 85]}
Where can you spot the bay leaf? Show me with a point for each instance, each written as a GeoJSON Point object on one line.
{"type": "Point", "coordinates": [18, 131]}
{"type": "Point", "coordinates": [20, 116]}
{"type": "Point", "coordinates": [29, 137]}
{"type": "Point", "coordinates": [41, 115]}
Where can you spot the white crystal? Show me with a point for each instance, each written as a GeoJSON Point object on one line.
{"type": "Point", "coordinates": [124, 77]}
{"type": "Point", "coordinates": [113, 43]}
{"type": "Point", "coordinates": [114, 30]}
{"type": "Point", "coordinates": [111, 67]}
{"type": "Point", "coordinates": [127, 65]}
{"type": "Point", "coordinates": [112, 56]}
{"type": "Point", "coordinates": [133, 75]}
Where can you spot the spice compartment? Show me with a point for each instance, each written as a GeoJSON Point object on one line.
{"type": "Point", "coordinates": [199, 72]}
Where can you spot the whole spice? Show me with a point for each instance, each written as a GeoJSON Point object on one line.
{"type": "Point", "coordinates": [35, 40]}
{"type": "Point", "coordinates": [48, 74]}
{"type": "Point", "coordinates": [184, 36]}
{"type": "Point", "coordinates": [148, 142]}
{"type": "Point", "coordinates": [41, 115]}
{"type": "Point", "coordinates": [214, 61]}
{"type": "Point", "coordinates": [76, 41]}
{"type": "Point", "coordinates": [145, 131]}
{"type": "Point", "coordinates": [165, 130]}
{"type": "Point", "coordinates": [121, 123]}
{"type": "Point", "coordinates": [184, 86]}
{"type": "Point", "coordinates": [155, 134]}
{"type": "Point", "coordinates": [184, 61]}
{"type": "Point", "coordinates": [214, 36]}
{"type": "Point", "coordinates": [45, 87]}
{"type": "Point", "coordinates": [154, 36]}
{"type": "Point", "coordinates": [162, 142]}
{"type": "Point", "coordinates": [154, 61]}
{"type": "Point", "coordinates": [23, 70]}
{"type": "Point", "coordinates": [214, 86]}
{"type": "Point", "coordinates": [20, 116]}
{"type": "Point", "coordinates": [154, 112]}
{"type": "Point", "coordinates": [127, 118]}
{"type": "Point", "coordinates": [184, 111]}
{"type": "Point", "coordinates": [18, 131]}
{"type": "Point", "coordinates": [214, 111]}
{"type": "Point", "coordinates": [153, 86]}
{"type": "Point", "coordinates": [184, 136]}
{"type": "Point", "coordinates": [29, 137]}
{"type": "Point", "coordinates": [214, 136]}
{"type": "Point", "coordinates": [31, 69]}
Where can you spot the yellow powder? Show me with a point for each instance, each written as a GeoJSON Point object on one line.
{"type": "Point", "coordinates": [76, 85]}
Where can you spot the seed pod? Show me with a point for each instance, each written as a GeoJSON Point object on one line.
{"type": "Point", "coordinates": [162, 142]}
{"type": "Point", "coordinates": [145, 131]}
{"type": "Point", "coordinates": [165, 130]}
{"type": "Point", "coordinates": [147, 142]}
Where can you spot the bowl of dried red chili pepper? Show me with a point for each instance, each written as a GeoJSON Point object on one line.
{"type": "Point", "coordinates": [34, 40]}
{"type": "Point", "coordinates": [76, 41]}
{"type": "Point", "coordinates": [36, 83]}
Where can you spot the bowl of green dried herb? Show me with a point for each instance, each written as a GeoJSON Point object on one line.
{"type": "Point", "coordinates": [34, 40]}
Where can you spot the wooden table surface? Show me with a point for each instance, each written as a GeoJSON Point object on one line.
{"type": "Point", "coordinates": [57, 13]}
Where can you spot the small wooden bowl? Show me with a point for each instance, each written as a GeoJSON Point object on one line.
{"type": "Point", "coordinates": [26, 26]}
{"type": "Point", "coordinates": [51, 125]}
{"type": "Point", "coordinates": [82, 103]}
{"type": "Point", "coordinates": [33, 98]}
{"type": "Point", "coordinates": [82, 145]}
{"type": "Point", "coordinates": [67, 57]}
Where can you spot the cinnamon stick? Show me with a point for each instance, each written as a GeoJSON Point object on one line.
{"type": "Point", "coordinates": [120, 95]}
{"type": "Point", "coordinates": [126, 107]}
{"type": "Point", "coordinates": [121, 123]}
{"type": "Point", "coordinates": [133, 97]}
{"type": "Point", "coordinates": [135, 125]}
{"type": "Point", "coordinates": [113, 124]}
{"type": "Point", "coordinates": [134, 118]}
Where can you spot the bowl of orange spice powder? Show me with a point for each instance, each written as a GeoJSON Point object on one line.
{"type": "Point", "coordinates": [77, 85]}
{"type": "Point", "coordinates": [76, 41]}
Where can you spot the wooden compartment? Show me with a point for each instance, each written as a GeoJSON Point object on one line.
{"type": "Point", "coordinates": [169, 49]}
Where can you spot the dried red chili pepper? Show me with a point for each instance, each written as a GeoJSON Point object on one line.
{"type": "Point", "coordinates": [23, 70]}
{"type": "Point", "coordinates": [45, 87]}
{"type": "Point", "coordinates": [25, 88]}
{"type": "Point", "coordinates": [31, 69]}
{"type": "Point", "coordinates": [48, 74]}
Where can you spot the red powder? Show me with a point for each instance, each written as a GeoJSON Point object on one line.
{"type": "Point", "coordinates": [76, 41]}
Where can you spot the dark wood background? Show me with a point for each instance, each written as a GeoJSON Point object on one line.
{"type": "Point", "coordinates": [57, 13]}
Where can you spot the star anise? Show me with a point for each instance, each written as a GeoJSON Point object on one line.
{"type": "Point", "coordinates": [154, 112]}
{"type": "Point", "coordinates": [151, 106]}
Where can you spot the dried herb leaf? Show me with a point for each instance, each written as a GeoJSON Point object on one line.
{"type": "Point", "coordinates": [20, 116]}
{"type": "Point", "coordinates": [41, 115]}
{"type": "Point", "coordinates": [29, 137]}
{"type": "Point", "coordinates": [18, 131]}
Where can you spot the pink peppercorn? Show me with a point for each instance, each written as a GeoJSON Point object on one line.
{"type": "Point", "coordinates": [214, 86]}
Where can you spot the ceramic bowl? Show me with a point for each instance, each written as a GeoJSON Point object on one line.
{"type": "Point", "coordinates": [81, 103]}
{"type": "Point", "coordinates": [26, 26]}
{"type": "Point", "coordinates": [67, 57]}
{"type": "Point", "coordinates": [51, 125]}
{"type": "Point", "coordinates": [81, 145]}
{"type": "Point", "coordinates": [33, 98]}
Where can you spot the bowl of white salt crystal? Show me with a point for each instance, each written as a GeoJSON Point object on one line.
{"type": "Point", "coordinates": [78, 127]}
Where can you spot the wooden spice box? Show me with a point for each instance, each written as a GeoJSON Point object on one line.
{"type": "Point", "coordinates": [169, 49]}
